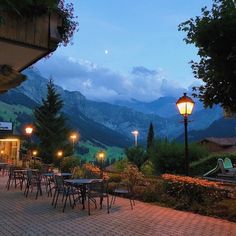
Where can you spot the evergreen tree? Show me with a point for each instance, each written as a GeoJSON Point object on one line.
{"type": "Point", "coordinates": [50, 125]}
{"type": "Point", "coordinates": [150, 137]}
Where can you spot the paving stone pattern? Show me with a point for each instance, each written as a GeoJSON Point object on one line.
{"type": "Point", "coordinates": [27, 216]}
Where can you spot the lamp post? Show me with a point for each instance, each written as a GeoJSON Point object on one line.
{"type": "Point", "coordinates": [35, 152]}
{"type": "Point", "coordinates": [101, 157]}
{"type": "Point", "coordinates": [29, 130]}
{"type": "Point", "coordinates": [185, 106]}
{"type": "Point", "coordinates": [135, 133]}
{"type": "Point", "coordinates": [74, 137]}
{"type": "Point", "coordinates": [60, 156]}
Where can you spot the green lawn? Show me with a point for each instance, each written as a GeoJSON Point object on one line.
{"type": "Point", "coordinates": [111, 152]}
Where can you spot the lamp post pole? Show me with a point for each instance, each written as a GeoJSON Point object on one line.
{"type": "Point", "coordinates": [186, 145]}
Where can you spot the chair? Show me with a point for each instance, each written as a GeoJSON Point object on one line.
{"type": "Point", "coordinates": [65, 191]}
{"type": "Point", "coordinates": [98, 189]}
{"type": "Point", "coordinates": [123, 189]}
{"type": "Point", "coordinates": [13, 177]}
{"type": "Point", "coordinates": [33, 180]}
{"type": "Point", "coordinates": [226, 167]}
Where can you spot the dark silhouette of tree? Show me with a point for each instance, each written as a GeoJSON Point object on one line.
{"type": "Point", "coordinates": [214, 34]}
{"type": "Point", "coordinates": [50, 125]}
{"type": "Point", "coordinates": [150, 137]}
{"type": "Point", "coordinates": [136, 155]}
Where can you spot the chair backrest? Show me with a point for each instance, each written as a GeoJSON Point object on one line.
{"type": "Point", "coordinates": [29, 174]}
{"type": "Point", "coordinates": [220, 162]}
{"type": "Point", "coordinates": [227, 163]}
{"type": "Point", "coordinates": [98, 187]}
{"type": "Point", "coordinates": [59, 181]}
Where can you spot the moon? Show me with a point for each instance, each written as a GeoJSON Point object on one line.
{"type": "Point", "coordinates": [106, 51]}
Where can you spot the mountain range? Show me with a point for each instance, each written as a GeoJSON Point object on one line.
{"type": "Point", "coordinates": [106, 123]}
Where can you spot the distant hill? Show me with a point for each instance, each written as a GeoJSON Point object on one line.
{"type": "Point", "coordinates": [220, 128]}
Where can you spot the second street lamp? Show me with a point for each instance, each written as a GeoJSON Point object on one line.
{"type": "Point", "coordinates": [29, 131]}
{"type": "Point", "coordinates": [185, 106]}
{"type": "Point", "coordinates": [135, 133]}
{"type": "Point", "coordinates": [101, 158]}
{"type": "Point", "coordinates": [60, 156]}
{"type": "Point", "coordinates": [74, 138]}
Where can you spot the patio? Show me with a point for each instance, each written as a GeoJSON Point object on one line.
{"type": "Point", "coordinates": [27, 216]}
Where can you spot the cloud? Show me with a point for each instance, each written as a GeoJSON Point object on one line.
{"type": "Point", "coordinates": [99, 83]}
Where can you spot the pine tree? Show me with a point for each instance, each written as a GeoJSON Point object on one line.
{"type": "Point", "coordinates": [50, 125]}
{"type": "Point", "coordinates": [150, 137]}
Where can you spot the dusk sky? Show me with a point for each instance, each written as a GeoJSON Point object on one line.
{"type": "Point", "coordinates": [127, 49]}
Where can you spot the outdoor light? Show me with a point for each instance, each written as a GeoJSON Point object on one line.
{"type": "Point", "coordinates": [28, 130]}
{"type": "Point", "coordinates": [74, 137]}
{"type": "Point", "coordinates": [59, 153]}
{"type": "Point", "coordinates": [101, 157]}
{"type": "Point", "coordinates": [135, 133]}
{"type": "Point", "coordinates": [34, 152]}
{"type": "Point", "coordinates": [185, 106]}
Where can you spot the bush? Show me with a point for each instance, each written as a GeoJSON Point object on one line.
{"type": "Point", "coordinates": [168, 157]}
{"type": "Point", "coordinates": [193, 190]}
{"type": "Point", "coordinates": [68, 163]}
{"type": "Point", "coordinates": [121, 165]}
{"type": "Point", "coordinates": [136, 155]}
{"type": "Point", "coordinates": [147, 168]}
{"type": "Point", "coordinates": [206, 164]}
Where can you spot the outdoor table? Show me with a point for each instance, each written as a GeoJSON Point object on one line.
{"type": "Point", "coordinates": [81, 184]}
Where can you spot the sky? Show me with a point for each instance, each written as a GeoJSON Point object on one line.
{"type": "Point", "coordinates": [127, 49]}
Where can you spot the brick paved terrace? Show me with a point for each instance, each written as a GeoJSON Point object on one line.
{"type": "Point", "coordinates": [27, 216]}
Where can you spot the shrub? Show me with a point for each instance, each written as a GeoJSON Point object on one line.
{"type": "Point", "coordinates": [147, 168]}
{"type": "Point", "coordinates": [168, 157]}
{"type": "Point", "coordinates": [193, 189]}
{"type": "Point", "coordinates": [136, 155]}
{"type": "Point", "coordinates": [68, 163]}
{"type": "Point", "coordinates": [121, 165]}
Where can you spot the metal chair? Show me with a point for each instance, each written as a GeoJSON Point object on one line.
{"type": "Point", "coordinates": [98, 189]}
{"type": "Point", "coordinates": [123, 189]}
{"type": "Point", "coordinates": [65, 191]}
{"type": "Point", "coordinates": [33, 180]}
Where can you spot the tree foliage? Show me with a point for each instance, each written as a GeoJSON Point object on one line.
{"type": "Point", "coordinates": [136, 155]}
{"type": "Point", "coordinates": [168, 156]}
{"type": "Point", "coordinates": [150, 137]}
{"type": "Point", "coordinates": [214, 34]}
{"type": "Point", "coordinates": [50, 125]}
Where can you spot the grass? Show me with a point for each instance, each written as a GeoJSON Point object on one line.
{"type": "Point", "coordinates": [111, 152]}
{"type": "Point", "coordinates": [9, 112]}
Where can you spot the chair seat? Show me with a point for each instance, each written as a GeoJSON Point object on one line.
{"type": "Point", "coordinates": [121, 191]}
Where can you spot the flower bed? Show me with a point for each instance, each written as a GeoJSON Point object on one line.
{"type": "Point", "coordinates": [193, 190]}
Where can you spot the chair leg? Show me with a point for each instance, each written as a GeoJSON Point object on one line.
{"type": "Point", "coordinates": [108, 208]}
{"type": "Point", "coordinates": [56, 199]}
{"type": "Point", "coordinates": [54, 195]}
{"type": "Point", "coordinates": [88, 205]}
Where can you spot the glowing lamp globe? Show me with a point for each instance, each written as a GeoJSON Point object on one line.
{"type": "Point", "coordinates": [185, 105]}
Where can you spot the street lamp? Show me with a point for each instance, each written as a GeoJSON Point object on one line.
{"type": "Point", "coordinates": [35, 152]}
{"type": "Point", "coordinates": [29, 130]}
{"type": "Point", "coordinates": [135, 133]}
{"type": "Point", "coordinates": [74, 137]}
{"type": "Point", "coordinates": [60, 155]}
{"type": "Point", "coordinates": [101, 158]}
{"type": "Point", "coordinates": [185, 106]}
